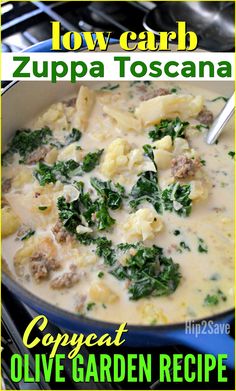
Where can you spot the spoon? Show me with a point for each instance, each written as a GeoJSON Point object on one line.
{"type": "Point", "coordinates": [221, 120]}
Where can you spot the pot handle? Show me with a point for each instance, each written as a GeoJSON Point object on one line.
{"type": "Point", "coordinates": [209, 340]}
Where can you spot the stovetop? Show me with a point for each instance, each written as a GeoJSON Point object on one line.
{"type": "Point", "coordinates": [25, 23]}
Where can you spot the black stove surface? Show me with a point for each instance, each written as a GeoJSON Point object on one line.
{"type": "Point", "coordinates": [25, 23]}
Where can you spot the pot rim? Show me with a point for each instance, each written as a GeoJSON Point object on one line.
{"type": "Point", "coordinates": [29, 297]}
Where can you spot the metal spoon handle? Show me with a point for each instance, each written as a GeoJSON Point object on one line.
{"type": "Point", "coordinates": [221, 120]}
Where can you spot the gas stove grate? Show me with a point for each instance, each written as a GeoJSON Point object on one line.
{"type": "Point", "coordinates": [26, 23]}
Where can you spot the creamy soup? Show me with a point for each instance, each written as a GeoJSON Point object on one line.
{"type": "Point", "coordinates": [114, 207]}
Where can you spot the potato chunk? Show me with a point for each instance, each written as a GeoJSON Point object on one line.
{"type": "Point", "coordinates": [164, 143]}
{"type": "Point", "coordinates": [10, 222]}
{"type": "Point", "coordinates": [162, 158]}
{"type": "Point", "coordinates": [70, 152]}
{"type": "Point", "coordinates": [51, 156]}
{"type": "Point", "coordinates": [29, 208]}
{"type": "Point", "coordinates": [23, 176]}
{"type": "Point", "coordinates": [199, 190]}
{"type": "Point", "coordinates": [84, 104]}
{"type": "Point", "coordinates": [154, 110]}
{"type": "Point", "coordinates": [181, 146]}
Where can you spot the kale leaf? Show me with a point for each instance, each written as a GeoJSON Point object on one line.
{"type": "Point", "coordinates": [201, 127]}
{"type": "Point", "coordinates": [149, 272]}
{"type": "Point", "coordinates": [104, 249]}
{"type": "Point", "coordinates": [26, 141]}
{"type": "Point", "coordinates": [65, 170]}
{"type": "Point", "coordinates": [128, 246]}
{"type": "Point", "coordinates": [75, 135]}
{"type": "Point", "coordinates": [111, 194]}
{"type": "Point", "coordinates": [219, 98]}
{"type": "Point", "coordinates": [72, 137]}
{"type": "Point", "coordinates": [147, 189]}
{"type": "Point", "coordinates": [90, 306]}
{"type": "Point", "coordinates": [176, 198]}
{"type": "Point", "coordinates": [104, 220]}
{"type": "Point", "coordinates": [231, 154]}
{"type": "Point", "coordinates": [175, 90]}
{"type": "Point", "coordinates": [27, 234]}
{"type": "Point", "coordinates": [88, 207]}
{"type": "Point", "coordinates": [44, 174]}
{"type": "Point", "coordinates": [176, 232]}
{"type": "Point", "coordinates": [69, 214]}
{"type": "Point", "coordinates": [94, 212]}
{"type": "Point", "coordinates": [183, 246]}
{"type": "Point", "coordinates": [85, 239]}
{"type": "Point", "coordinates": [110, 87]}
{"type": "Point", "coordinates": [62, 171]}
{"type": "Point", "coordinates": [91, 160]}
{"type": "Point", "coordinates": [202, 246]}
{"type": "Point", "coordinates": [148, 151]}
{"type": "Point", "coordinates": [174, 128]}
{"type": "Point", "coordinates": [211, 300]}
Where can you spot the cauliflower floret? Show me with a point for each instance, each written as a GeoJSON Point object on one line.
{"type": "Point", "coordinates": [55, 118]}
{"type": "Point", "coordinates": [143, 224]}
{"type": "Point", "coordinates": [116, 157]}
{"type": "Point", "coordinates": [70, 152]}
{"type": "Point", "coordinates": [119, 157]}
{"type": "Point", "coordinates": [164, 143]}
{"type": "Point", "coordinates": [10, 222]}
{"type": "Point", "coordinates": [135, 158]}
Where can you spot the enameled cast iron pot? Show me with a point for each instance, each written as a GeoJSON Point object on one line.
{"type": "Point", "coordinates": [22, 101]}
